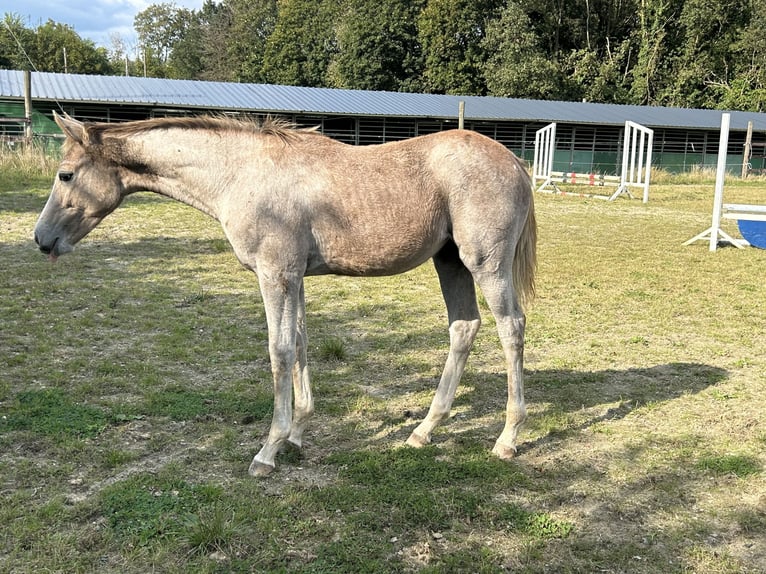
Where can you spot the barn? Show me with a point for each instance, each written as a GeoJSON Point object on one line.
{"type": "Point", "coordinates": [589, 136]}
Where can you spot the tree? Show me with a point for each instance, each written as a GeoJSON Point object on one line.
{"type": "Point", "coordinates": [160, 27]}
{"type": "Point", "coordinates": [596, 77]}
{"type": "Point", "coordinates": [51, 47]}
{"type": "Point", "coordinates": [303, 43]}
{"type": "Point", "coordinates": [516, 65]}
{"type": "Point", "coordinates": [58, 48]}
{"type": "Point", "coordinates": [705, 66]}
{"type": "Point", "coordinates": [215, 23]}
{"type": "Point", "coordinates": [377, 46]}
{"type": "Point", "coordinates": [186, 59]}
{"type": "Point", "coordinates": [747, 91]}
{"type": "Point", "coordinates": [252, 23]}
{"type": "Point", "coordinates": [15, 39]}
{"type": "Point", "coordinates": [656, 40]}
{"type": "Point", "coordinates": [451, 33]}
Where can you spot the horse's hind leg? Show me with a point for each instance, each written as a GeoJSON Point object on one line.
{"type": "Point", "coordinates": [464, 320]}
{"type": "Point", "coordinates": [497, 287]}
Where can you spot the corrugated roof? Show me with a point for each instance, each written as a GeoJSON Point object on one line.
{"type": "Point", "coordinates": [291, 99]}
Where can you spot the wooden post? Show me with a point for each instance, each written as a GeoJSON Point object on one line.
{"type": "Point", "coordinates": [28, 106]}
{"type": "Point", "coordinates": [748, 150]}
{"type": "Point", "coordinates": [461, 115]}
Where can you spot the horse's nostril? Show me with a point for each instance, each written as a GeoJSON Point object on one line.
{"type": "Point", "coordinates": [47, 248]}
{"type": "Point", "coordinates": [37, 239]}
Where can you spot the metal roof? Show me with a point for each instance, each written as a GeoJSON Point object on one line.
{"type": "Point", "coordinates": [77, 88]}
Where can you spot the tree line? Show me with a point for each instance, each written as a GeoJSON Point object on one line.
{"type": "Point", "coordinates": [686, 53]}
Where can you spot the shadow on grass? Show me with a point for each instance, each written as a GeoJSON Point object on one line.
{"type": "Point", "coordinates": [570, 398]}
{"type": "Point", "coordinates": [569, 391]}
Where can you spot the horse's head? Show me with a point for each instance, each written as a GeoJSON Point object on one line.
{"type": "Point", "coordinates": [87, 188]}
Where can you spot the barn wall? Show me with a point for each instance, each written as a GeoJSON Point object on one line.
{"type": "Point", "coordinates": [579, 148]}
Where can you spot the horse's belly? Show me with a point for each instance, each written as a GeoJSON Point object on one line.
{"type": "Point", "coordinates": [373, 254]}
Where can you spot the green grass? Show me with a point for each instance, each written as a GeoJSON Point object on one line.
{"type": "Point", "coordinates": [332, 349]}
{"type": "Point", "coordinates": [135, 388]}
{"type": "Point", "coordinates": [50, 412]}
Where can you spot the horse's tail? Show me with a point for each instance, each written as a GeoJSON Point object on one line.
{"type": "Point", "coordinates": [525, 258]}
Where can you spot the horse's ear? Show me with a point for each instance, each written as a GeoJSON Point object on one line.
{"type": "Point", "coordinates": [71, 127]}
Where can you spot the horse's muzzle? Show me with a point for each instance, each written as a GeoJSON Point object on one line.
{"type": "Point", "coordinates": [47, 249]}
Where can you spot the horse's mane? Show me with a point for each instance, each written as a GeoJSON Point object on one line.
{"type": "Point", "coordinates": [270, 126]}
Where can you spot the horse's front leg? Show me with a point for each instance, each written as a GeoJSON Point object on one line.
{"type": "Point", "coordinates": [281, 296]}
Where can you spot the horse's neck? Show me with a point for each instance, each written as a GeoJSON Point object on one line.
{"type": "Point", "coordinates": [186, 165]}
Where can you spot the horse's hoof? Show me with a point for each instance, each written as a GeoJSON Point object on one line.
{"type": "Point", "coordinates": [417, 440]}
{"type": "Point", "coordinates": [504, 452]}
{"type": "Point", "coordinates": [260, 469]}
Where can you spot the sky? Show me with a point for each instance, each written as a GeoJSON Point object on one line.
{"type": "Point", "coordinates": [95, 20]}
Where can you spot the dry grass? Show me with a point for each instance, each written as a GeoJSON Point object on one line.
{"type": "Point", "coordinates": [26, 163]}
{"type": "Point", "coordinates": [644, 450]}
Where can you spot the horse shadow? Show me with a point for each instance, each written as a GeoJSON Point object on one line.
{"type": "Point", "coordinates": [619, 391]}
{"type": "Point", "coordinates": [561, 402]}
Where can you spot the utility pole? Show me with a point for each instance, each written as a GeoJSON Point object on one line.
{"type": "Point", "coordinates": [28, 106]}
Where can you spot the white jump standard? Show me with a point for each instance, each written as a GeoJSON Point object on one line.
{"type": "Point", "coordinates": [635, 170]}
{"type": "Point", "coordinates": [751, 219]}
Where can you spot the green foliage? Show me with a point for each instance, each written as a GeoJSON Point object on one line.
{"type": "Point", "coordinates": [205, 50]}
{"type": "Point", "coordinates": [685, 53]}
{"type": "Point", "coordinates": [378, 46]}
{"type": "Point", "coordinates": [251, 25]}
{"type": "Point", "coordinates": [516, 65]}
{"type": "Point", "coordinates": [300, 49]}
{"type": "Point", "coordinates": [51, 47]}
{"type": "Point", "coordinates": [14, 37]}
{"type": "Point", "coordinates": [159, 27]}
{"type": "Point", "coordinates": [451, 33]}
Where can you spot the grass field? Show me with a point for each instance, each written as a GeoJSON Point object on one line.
{"type": "Point", "coordinates": [135, 389]}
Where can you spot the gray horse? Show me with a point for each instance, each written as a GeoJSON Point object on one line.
{"type": "Point", "coordinates": [294, 203]}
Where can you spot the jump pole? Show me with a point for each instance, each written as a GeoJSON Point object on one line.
{"type": "Point", "coordinates": [714, 231]}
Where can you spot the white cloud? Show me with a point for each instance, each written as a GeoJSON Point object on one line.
{"type": "Point", "coordinates": [95, 20]}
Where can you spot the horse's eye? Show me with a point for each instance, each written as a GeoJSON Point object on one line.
{"type": "Point", "coordinates": [66, 175]}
